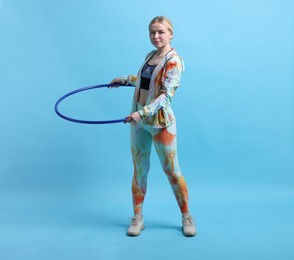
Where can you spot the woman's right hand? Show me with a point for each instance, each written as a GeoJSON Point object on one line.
{"type": "Point", "coordinates": [133, 118]}
{"type": "Point", "coordinates": [115, 81]}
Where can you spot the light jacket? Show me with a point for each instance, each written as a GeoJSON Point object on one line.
{"type": "Point", "coordinates": [164, 81]}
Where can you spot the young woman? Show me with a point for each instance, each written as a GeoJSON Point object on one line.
{"type": "Point", "coordinates": [153, 121]}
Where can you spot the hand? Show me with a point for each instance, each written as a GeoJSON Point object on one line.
{"type": "Point", "coordinates": [115, 81]}
{"type": "Point", "coordinates": [133, 118]}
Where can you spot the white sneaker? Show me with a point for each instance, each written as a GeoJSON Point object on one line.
{"type": "Point", "coordinates": [136, 226]}
{"type": "Point", "coordinates": [189, 229]}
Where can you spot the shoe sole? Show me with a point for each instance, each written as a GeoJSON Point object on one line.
{"type": "Point", "coordinates": [189, 234]}
{"type": "Point", "coordinates": [135, 234]}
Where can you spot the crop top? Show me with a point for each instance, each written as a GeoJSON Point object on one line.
{"type": "Point", "coordinates": [146, 74]}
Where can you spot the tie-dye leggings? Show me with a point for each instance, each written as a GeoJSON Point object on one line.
{"type": "Point", "coordinates": [165, 142]}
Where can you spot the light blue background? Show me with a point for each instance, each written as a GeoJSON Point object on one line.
{"type": "Point", "coordinates": [65, 187]}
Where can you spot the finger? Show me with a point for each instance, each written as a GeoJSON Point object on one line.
{"type": "Point", "coordinates": [128, 119]}
{"type": "Point", "coordinates": [114, 85]}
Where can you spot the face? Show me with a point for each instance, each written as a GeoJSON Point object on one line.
{"type": "Point", "coordinates": [160, 35]}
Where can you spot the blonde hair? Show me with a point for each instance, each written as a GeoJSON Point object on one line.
{"type": "Point", "coordinates": [163, 20]}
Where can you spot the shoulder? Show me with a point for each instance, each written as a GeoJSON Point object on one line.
{"type": "Point", "coordinates": [150, 54]}
{"type": "Point", "coordinates": [176, 59]}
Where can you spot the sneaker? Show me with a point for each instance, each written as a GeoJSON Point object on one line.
{"type": "Point", "coordinates": [136, 226]}
{"type": "Point", "coordinates": [189, 229]}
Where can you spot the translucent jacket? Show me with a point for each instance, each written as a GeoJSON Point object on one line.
{"type": "Point", "coordinates": [164, 81]}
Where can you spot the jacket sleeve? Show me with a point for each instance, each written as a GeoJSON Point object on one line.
{"type": "Point", "coordinates": [129, 80]}
{"type": "Point", "coordinates": [170, 81]}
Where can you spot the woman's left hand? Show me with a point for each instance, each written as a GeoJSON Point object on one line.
{"type": "Point", "coordinates": [133, 118]}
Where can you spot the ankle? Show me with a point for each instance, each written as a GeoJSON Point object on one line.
{"type": "Point", "coordinates": [138, 215]}
{"type": "Point", "coordinates": [185, 214]}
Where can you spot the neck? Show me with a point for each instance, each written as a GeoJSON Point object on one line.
{"type": "Point", "coordinates": [161, 52]}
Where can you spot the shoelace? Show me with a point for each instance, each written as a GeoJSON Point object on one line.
{"type": "Point", "coordinates": [188, 221]}
{"type": "Point", "coordinates": [136, 221]}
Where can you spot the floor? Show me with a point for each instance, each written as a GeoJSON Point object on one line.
{"type": "Point", "coordinates": [232, 224]}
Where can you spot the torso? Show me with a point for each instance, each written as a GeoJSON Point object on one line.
{"type": "Point", "coordinates": [143, 97]}
{"type": "Point", "coordinates": [143, 94]}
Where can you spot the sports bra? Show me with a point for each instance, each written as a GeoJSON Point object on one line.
{"type": "Point", "coordinates": [146, 74]}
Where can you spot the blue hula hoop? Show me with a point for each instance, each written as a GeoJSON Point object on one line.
{"type": "Point", "coordinates": [88, 121]}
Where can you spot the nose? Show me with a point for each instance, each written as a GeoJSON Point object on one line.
{"type": "Point", "coordinates": [156, 35]}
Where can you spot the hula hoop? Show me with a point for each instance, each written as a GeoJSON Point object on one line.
{"type": "Point", "coordinates": [88, 121]}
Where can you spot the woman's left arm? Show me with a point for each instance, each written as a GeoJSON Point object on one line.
{"type": "Point", "coordinates": [170, 82]}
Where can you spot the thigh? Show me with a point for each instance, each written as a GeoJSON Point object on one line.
{"type": "Point", "coordinates": [141, 142]}
{"type": "Point", "coordinates": [165, 142]}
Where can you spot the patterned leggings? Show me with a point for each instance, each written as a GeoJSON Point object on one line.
{"type": "Point", "coordinates": [165, 142]}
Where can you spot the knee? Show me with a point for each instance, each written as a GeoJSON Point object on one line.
{"type": "Point", "coordinates": [173, 178]}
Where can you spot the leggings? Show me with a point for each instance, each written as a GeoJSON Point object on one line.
{"type": "Point", "coordinates": [165, 142]}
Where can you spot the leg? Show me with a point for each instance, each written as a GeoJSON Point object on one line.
{"type": "Point", "coordinates": [165, 142]}
{"type": "Point", "coordinates": [141, 142]}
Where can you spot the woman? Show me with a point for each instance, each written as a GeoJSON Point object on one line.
{"type": "Point", "coordinates": [152, 120]}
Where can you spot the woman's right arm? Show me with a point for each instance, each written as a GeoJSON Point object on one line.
{"type": "Point", "coordinates": [126, 80]}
